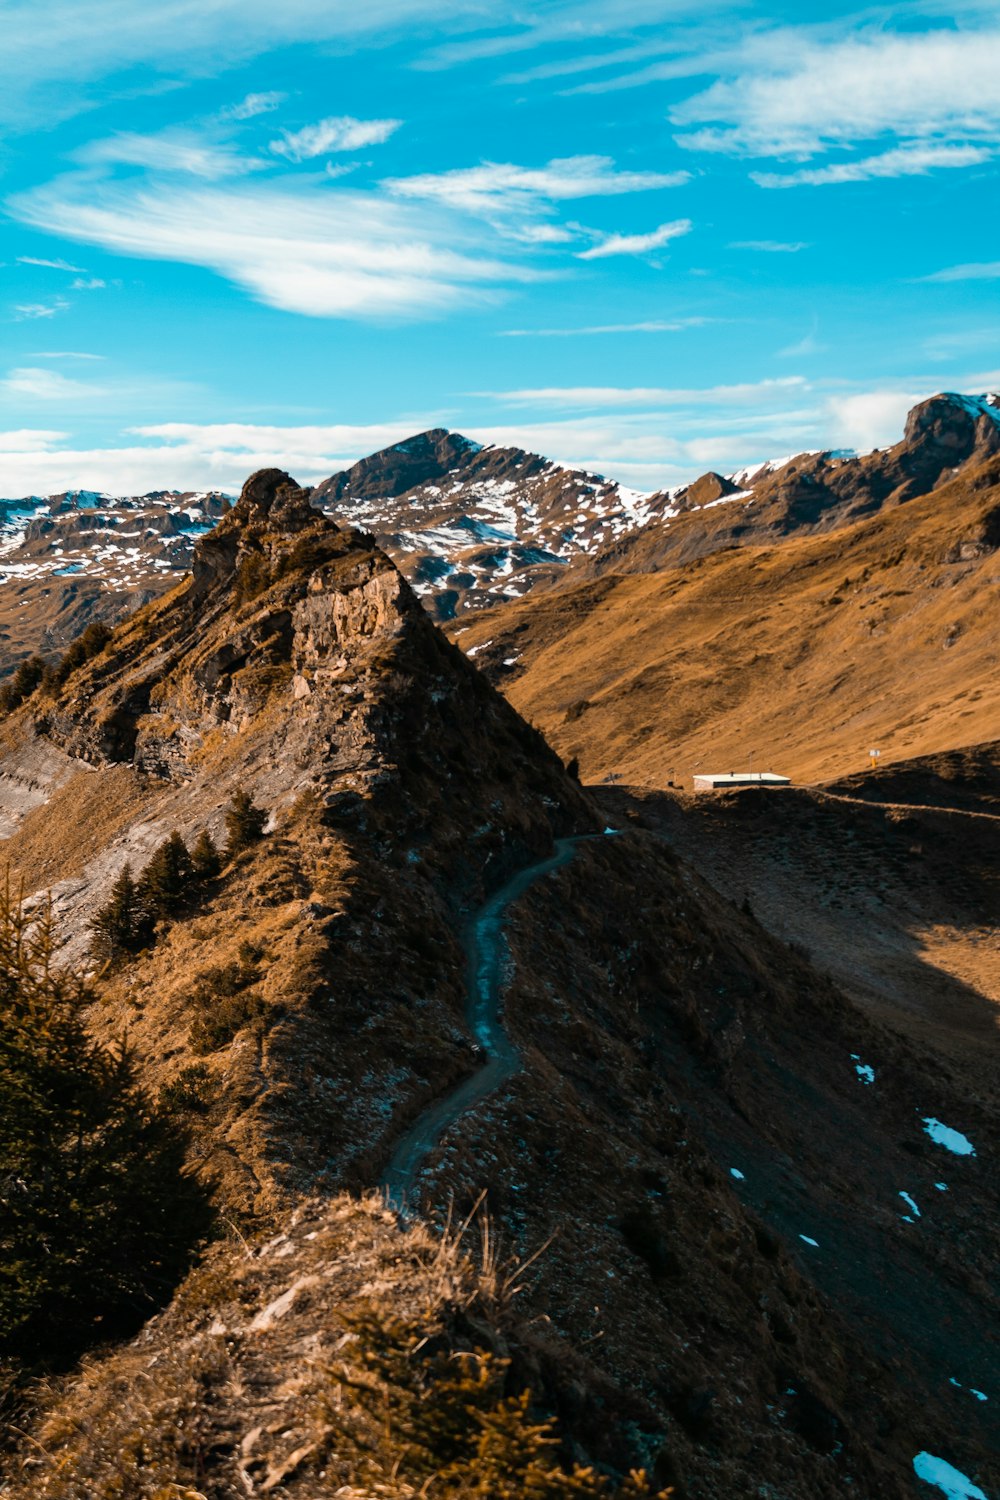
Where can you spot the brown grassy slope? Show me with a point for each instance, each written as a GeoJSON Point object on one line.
{"type": "Point", "coordinates": [885, 633]}
{"type": "Point", "coordinates": [343, 1357]}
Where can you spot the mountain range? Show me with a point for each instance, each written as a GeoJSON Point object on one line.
{"type": "Point", "coordinates": [725, 1206]}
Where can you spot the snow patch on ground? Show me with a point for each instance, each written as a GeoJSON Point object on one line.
{"type": "Point", "coordinates": [912, 1206]}
{"type": "Point", "coordinates": [952, 1140]}
{"type": "Point", "coordinates": [808, 1241]}
{"type": "Point", "coordinates": [945, 1477]}
{"type": "Point", "coordinates": [735, 1172]}
{"type": "Point", "coordinates": [865, 1073]}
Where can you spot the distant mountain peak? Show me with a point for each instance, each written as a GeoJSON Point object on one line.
{"type": "Point", "coordinates": [955, 423]}
{"type": "Point", "coordinates": [392, 471]}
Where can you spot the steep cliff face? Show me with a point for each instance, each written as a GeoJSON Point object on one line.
{"type": "Point", "coordinates": [297, 660]}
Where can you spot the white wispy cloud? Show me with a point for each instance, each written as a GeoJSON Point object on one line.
{"type": "Point", "coordinates": [974, 271]}
{"type": "Point", "coordinates": [409, 247]}
{"type": "Point", "coordinates": [63, 354]}
{"type": "Point", "coordinates": [911, 160]}
{"type": "Point", "coordinates": [185, 151]}
{"type": "Point", "coordinates": [33, 440]}
{"type": "Point", "coordinates": [26, 311]}
{"type": "Point", "coordinates": [650, 326]}
{"type": "Point", "coordinates": [558, 22]}
{"type": "Point", "coordinates": [636, 244]}
{"type": "Point", "coordinates": [184, 455]}
{"type": "Point", "coordinates": [593, 396]}
{"type": "Point", "coordinates": [809, 95]}
{"type": "Point", "coordinates": [54, 50]}
{"type": "Point", "coordinates": [87, 284]}
{"type": "Point", "coordinates": [771, 247]}
{"type": "Point", "coordinates": [870, 419]}
{"type": "Point", "coordinates": [338, 133]}
{"type": "Point", "coordinates": [38, 384]}
{"type": "Point", "coordinates": [497, 189]}
{"type": "Point", "coordinates": [331, 253]}
{"type": "Point", "coordinates": [254, 105]}
{"type": "Point", "coordinates": [51, 265]}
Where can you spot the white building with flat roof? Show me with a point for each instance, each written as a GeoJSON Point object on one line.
{"type": "Point", "coordinates": [708, 783]}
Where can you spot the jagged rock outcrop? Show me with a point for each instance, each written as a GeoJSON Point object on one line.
{"type": "Point", "coordinates": [289, 628]}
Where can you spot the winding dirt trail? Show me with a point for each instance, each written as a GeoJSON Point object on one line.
{"type": "Point", "coordinates": [484, 946]}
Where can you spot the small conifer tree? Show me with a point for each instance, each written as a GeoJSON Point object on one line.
{"type": "Point", "coordinates": [205, 858]}
{"type": "Point", "coordinates": [244, 822]}
{"type": "Point", "coordinates": [23, 683]}
{"type": "Point", "coordinates": [116, 927]}
{"type": "Point", "coordinates": [165, 883]}
{"type": "Point", "coordinates": [86, 646]}
{"type": "Point", "coordinates": [97, 1216]}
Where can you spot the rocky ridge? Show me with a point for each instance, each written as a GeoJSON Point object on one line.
{"type": "Point", "coordinates": [811, 492]}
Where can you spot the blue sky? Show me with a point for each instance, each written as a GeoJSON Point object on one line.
{"type": "Point", "coordinates": [650, 236]}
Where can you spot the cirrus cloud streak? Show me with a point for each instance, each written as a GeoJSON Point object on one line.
{"type": "Point", "coordinates": [329, 254]}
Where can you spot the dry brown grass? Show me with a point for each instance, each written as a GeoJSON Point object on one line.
{"type": "Point", "coordinates": [345, 1356]}
{"type": "Point", "coordinates": [806, 653]}
{"type": "Point", "coordinates": [57, 840]}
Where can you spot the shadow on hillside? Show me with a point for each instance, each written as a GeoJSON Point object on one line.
{"type": "Point", "coordinates": [895, 905]}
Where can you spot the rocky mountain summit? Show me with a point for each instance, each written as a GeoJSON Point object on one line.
{"type": "Point", "coordinates": [470, 525]}
{"type": "Point", "coordinates": [812, 492]}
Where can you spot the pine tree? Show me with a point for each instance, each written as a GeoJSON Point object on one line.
{"type": "Point", "coordinates": [86, 646]}
{"type": "Point", "coordinates": [244, 822]}
{"type": "Point", "coordinates": [97, 1216]}
{"type": "Point", "coordinates": [117, 927]}
{"type": "Point", "coordinates": [23, 683]}
{"type": "Point", "coordinates": [166, 882]}
{"type": "Point", "coordinates": [205, 858]}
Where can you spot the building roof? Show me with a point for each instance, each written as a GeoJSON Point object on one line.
{"type": "Point", "coordinates": [744, 778]}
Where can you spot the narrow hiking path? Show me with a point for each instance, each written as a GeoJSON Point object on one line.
{"type": "Point", "coordinates": [485, 950]}
{"type": "Point", "coordinates": [822, 795]}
